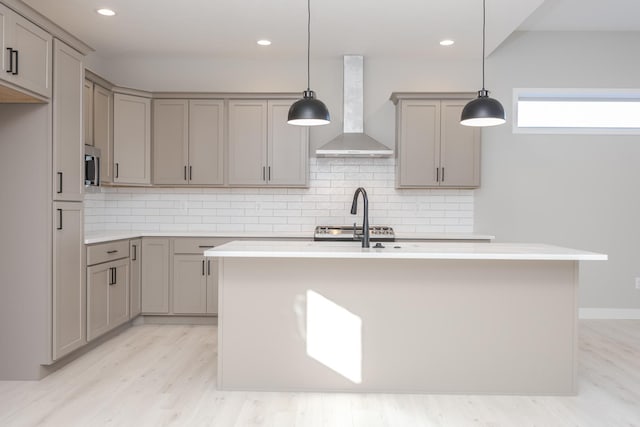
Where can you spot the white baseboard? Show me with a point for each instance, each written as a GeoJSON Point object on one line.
{"type": "Point", "coordinates": [610, 313]}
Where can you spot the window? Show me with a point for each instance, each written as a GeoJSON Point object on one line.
{"type": "Point", "coordinates": [577, 111]}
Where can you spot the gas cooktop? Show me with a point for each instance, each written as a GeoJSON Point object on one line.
{"type": "Point", "coordinates": [377, 233]}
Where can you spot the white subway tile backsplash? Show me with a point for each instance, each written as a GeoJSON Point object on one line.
{"type": "Point", "coordinates": [326, 201]}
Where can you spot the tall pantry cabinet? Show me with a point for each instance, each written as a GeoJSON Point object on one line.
{"type": "Point", "coordinates": [68, 246]}
{"type": "Point", "coordinates": [42, 299]}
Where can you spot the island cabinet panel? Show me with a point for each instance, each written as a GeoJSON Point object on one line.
{"type": "Point", "coordinates": [26, 53]}
{"type": "Point", "coordinates": [131, 139]}
{"type": "Point", "coordinates": [433, 149]}
{"type": "Point", "coordinates": [263, 149]}
{"type": "Point", "coordinates": [155, 275]}
{"type": "Point", "coordinates": [471, 326]}
{"type": "Point", "coordinates": [188, 141]}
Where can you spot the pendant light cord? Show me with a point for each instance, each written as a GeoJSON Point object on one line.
{"type": "Point", "coordinates": [308, 45]}
{"type": "Point", "coordinates": [484, 26]}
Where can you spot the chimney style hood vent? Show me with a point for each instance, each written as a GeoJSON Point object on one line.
{"type": "Point", "coordinates": [353, 142]}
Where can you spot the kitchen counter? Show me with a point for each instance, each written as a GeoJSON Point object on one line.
{"type": "Point", "coordinates": [438, 317]}
{"type": "Point", "coordinates": [106, 236]}
{"type": "Point", "coordinates": [400, 250]}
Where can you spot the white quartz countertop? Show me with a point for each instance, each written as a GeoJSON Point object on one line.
{"type": "Point", "coordinates": [402, 250]}
{"type": "Point", "coordinates": [107, 236]}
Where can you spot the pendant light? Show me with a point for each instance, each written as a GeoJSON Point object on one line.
{"type": "Point", "coordinates": [483, 111]}
{"type": "Point", "coordinates": [308, 111]}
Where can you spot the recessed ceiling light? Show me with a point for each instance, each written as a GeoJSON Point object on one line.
{"type": "Point", "coordinates": [106, 12]}
{"type": "Point", "coordinates": [446, 42]}
{"type": "Point", "coordinates": [264, 42]}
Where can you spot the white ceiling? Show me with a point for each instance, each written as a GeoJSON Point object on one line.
{"type": "Point", "coordinates": [407, 28]}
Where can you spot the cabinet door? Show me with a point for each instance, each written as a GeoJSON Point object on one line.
{"type": "Point", "coordinates": [4, 56]}
{"type": "Point", "coordinates": [98, 279]}
{"type": "Point", "coordinates": [87, 112]}
{"type": "Point", "coordinates": [131, 139]}
{"type": "Point", "coordinates": [212, 286]}
{"type": "Point", "coordinates": [460, 148]}
{"type": "Point", "coordinates": [102, 134]}
{"type": "Point", "coordinates": [189, 284]}
{"type": "Point", "coordinates": [155, 276]}
{"type": "Point", "coordinates": [135, 277]}
{"type": "Point", "coordinates": [68, 166]}
{"type": "Point", "coordinates": [69, 304]}
{"type": "Point", "coordinates": [206, 142]}
{"type": "Point", "coordinates": [170, 141]}
{"type": "Point", "coordinates": [247, 142]}
{"type": "Point", "coordinates": [119, 293]}
{"type": "Point", "coordinates": [287, 147]}
{"type": "Point", "coordinates": [32, 54]}
{"type": "Point", "coordinates": [418, 143]}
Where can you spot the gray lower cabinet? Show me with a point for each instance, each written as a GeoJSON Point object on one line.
{"type": "Point", "coordinates": [135, 277]}
{"type": "Point", "coordinates": [108, 292]}
{"type": "Point", "coordinates": [195, 277]}
{"type": "Point", "coordinates": [155, 275]}
{"type": "Point", "coordinates": [68, 281]}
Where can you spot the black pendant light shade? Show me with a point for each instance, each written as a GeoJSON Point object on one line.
{"type": "Point", "coordinates": [308, 111]}
{"type": "Point", "coordinates": [483, 111]}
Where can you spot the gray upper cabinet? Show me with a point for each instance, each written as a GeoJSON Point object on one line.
{"type": "Point", "coordinates": [433, 149]}
{"type": "Point", "coordinates": [131, 139]}
{"type": "Point", "coordinates": [26, 53]}
{"type": "Point", "coordinates": [68, 167]}
{"type": "Point", "coordinates": [263, 150]}
{"type": "Point", "coordinates": [188, 141]}
{"type": "Point", "coordinates": [102, 125]}
{"type": "Point", "coordinates": [87, 111]}
{"type": "Point", "coordinates": [206, 142]}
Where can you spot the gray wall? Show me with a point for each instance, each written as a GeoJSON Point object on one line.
{"type": "Point", "coordinates": [576, 191]}
{"type": "Point", "coordinates": [571, 190]}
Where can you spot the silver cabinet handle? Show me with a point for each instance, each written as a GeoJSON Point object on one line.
{"type": "Point", "coordinates": [269, 175]}
{"type": "Point", "coordinates": [135, 252]}
{"type": "Point", "coordinates": [59, 219]}
{"type": "Point", "coordinates": [190, 173]}
{"type": "Point", "coordinates": [114, 251]}
{"type": "Point", "coordinates": [59, 182]}
{"type": "Point", "coordinates": [185, 173]}
{"type": "Point", "coordinates": [208, 267]}
{"type": "Point", "coordinates": [203, 267]}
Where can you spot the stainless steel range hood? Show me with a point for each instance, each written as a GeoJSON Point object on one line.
{"type": "Point", "coordinates": [353, 142]}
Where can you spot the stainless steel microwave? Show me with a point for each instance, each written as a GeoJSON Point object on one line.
{"type": "Point", "coordinates": [91, 166]}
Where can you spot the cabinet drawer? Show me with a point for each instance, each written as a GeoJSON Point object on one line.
{"type": "Point", "coordinates": [197, 245]}
{"type": "Point", "coordinates": [104, 252]}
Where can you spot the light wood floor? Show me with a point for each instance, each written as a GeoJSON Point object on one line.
{"type": "Point", "coordinates": [165, 375]}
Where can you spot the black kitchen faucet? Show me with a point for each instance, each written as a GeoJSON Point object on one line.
{"type": "Point", "coordinates": [365, 220]}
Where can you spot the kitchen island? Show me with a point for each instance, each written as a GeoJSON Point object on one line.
{"type": "Point", "coordinates": [409, 317]}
